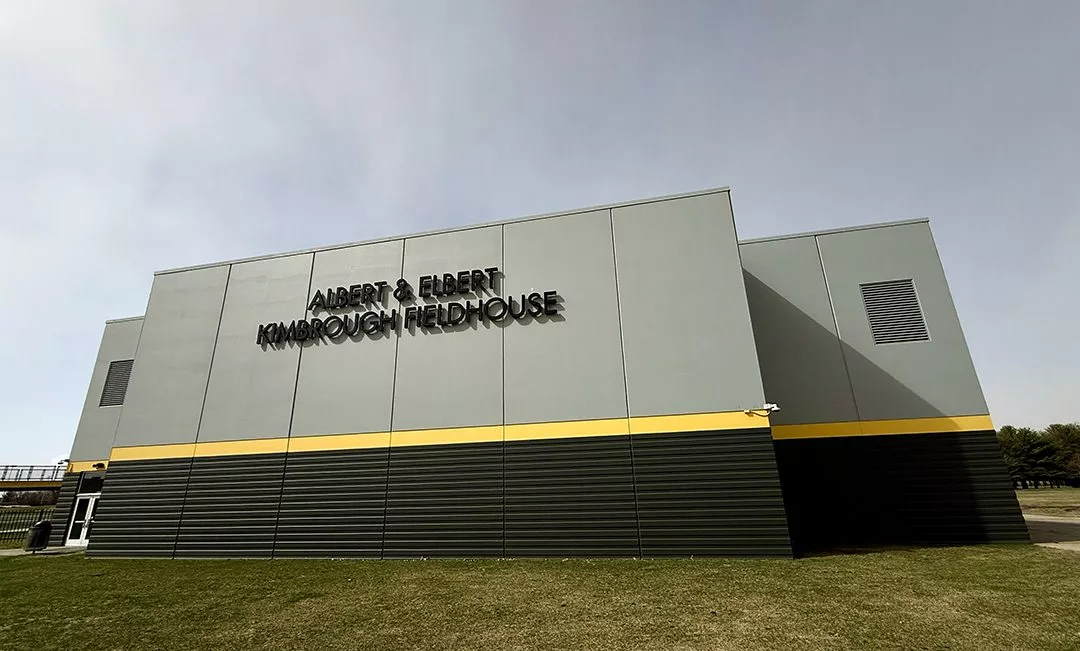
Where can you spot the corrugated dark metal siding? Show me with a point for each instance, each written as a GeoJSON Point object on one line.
{"type": "Point", "coordinates": [705, 493]}
{"type": "Point", "coordinates": [949, 488]}
{"type": "Point", "coordinates": [710, 494]}
{"type": "Point", "coordinates": [570, 497]}
{"type": "Point", "coordinates": [333, 504]}
{"type": "Point", "coordinates": [231, 506]}
{"type": "Point", "coordinates": [139, 509]}
{"type": "Point", "coordinates": [62, 512]}
{"type": "Point", "coordinates": [445, 500]}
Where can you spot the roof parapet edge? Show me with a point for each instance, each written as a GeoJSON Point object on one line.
{"type": "Point", "coordinates": [832, 231]}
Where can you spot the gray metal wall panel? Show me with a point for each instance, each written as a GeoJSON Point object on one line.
{"type": "Point", "coordinates": [947, 488]}
{"type": "Point", "coordinates": [62, 513]}
{"type": "Point", "coordinates": [346, 385]}
{"type": "Point", "coordinates": [333, 504]}
{"type": "Point", "coordinates": [445, 500]}
{"type": "Point", "coordinates": [250, 393]}
{"type": "Point", "coordinates": [570, 497]}
{"type": "Point", "coordinates": [567, 367]}
{"type": "Point", "coordinates": [710, 494]}
{"type": "Point", "coordinates": [427, 358]}
{"type": "Point", "coordinates": [231, 506]}
{"type": "Point", "coordinates": [97, 425]}
{"type": "Point", "coordinates": [168, 382]}
{"type": "Point", "coordinates": [906, 380]}
{"type": "Point", "coordinates": [802, 366]}
{"type": "Point", "coordinates": [689, 345]}
{"type": "Point", "coordinates": [139, 510]}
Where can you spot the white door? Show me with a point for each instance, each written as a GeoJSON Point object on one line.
{"type": "Point", "coordinates": [81, 520]}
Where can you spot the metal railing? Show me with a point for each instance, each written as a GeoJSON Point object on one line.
{"type": "Point", "coordinates": [15, 522]}
{"type": "Point", "coordinates": [32, 473]}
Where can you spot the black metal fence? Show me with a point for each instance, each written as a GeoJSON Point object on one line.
{"type": "Point", "coordinates": [14, 523]}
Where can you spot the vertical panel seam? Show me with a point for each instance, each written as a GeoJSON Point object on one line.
{"type": "Point", "coordinates": [760, 375]}
{"type": "Point", "coordinates": [300, 354]}
{"type": "Point", "coordinates": [393, 403]}
{"type": "Point", "coordinates": [202, 409]}
{"type": "Point", "coordinates": [836, 326]}
{"type": "Point", "coordinates": [134, 356]}
{"type": "Point", "coordinates": [138, 343]}
{"type": "Point", "coordinates": [292, 416]}
{"type": "Point", "coordinates": [626, 387]}
{"type": "Point", "coordinates": [746, 300]}
{"type": "Point", "coordinates": [502, 334]}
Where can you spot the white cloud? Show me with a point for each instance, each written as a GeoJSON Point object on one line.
{"type": "Point", "coordinates": [141, 136]}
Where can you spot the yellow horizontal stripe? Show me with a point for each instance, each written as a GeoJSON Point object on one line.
{"type": "Point", "coordinates": [485, 434]}
{"type": "Point", "coordinates": [884, 427]}
{"type": "Point", "coordinates": [816, 430]}
{"type": "Point", "coordinates": [339, 442]}
{"type": "Point", "coordinates": [83, 466]}
{"type": "Point", "coordinates": [246, 446]}
{"type": "Point", "coordinates": [140, 452]}
{"type": "Point", "coordinates": [927, 425]}
{"type": "Point", "coordinates": [572, 429]}
{"type": "Point", "coordinates": [698, 422]}
{"type": "Point", "coordinates": [448, 436]}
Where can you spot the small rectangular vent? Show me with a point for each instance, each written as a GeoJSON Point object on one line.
{"type": "Point", "coordinates": [116, 383]}
{"type": "Point", "coordinates": [894, 313]}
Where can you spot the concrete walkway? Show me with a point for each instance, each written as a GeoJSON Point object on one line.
{"type": "Point", "coordinates": [1054, 531]}
{"type": "Point", "coordinates": [50, 551]}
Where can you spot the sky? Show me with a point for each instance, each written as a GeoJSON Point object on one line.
{"type": "Point", "coordinates": [139, 136]}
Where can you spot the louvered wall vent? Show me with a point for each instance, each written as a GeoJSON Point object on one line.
{"type": "Point", "coordinates": [893, 309]}
{"type": "Point", "coordinates": [116, 383]}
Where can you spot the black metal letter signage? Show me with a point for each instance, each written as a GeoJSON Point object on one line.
{"type": "Point", "coordinates": [339, 313]}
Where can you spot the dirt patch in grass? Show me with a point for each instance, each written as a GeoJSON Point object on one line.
{"type": "Point", "coordinates": [991, 597]}
{"type": "Point", "coordinates": [1063, 502]}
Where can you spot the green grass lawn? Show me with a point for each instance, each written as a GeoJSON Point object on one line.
{"type": "Point", "coordinates": [1050, 501]}
{"type": "Point", "coordinates": [989, 597]}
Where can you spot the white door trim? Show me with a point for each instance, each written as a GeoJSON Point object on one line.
{"type": "Point", "coordinates": [84, 530]}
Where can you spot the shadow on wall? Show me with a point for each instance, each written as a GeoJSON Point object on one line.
{"type": "Point", "coordinates": [854, 491]}
{"type": "Point", "coordinates": [803, 347]}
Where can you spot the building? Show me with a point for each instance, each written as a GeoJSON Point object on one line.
{"type": "Point", "coordinates": [596, 382]}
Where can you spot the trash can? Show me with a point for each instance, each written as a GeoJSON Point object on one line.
{"type": "Point", "coordinates": [37, 538]}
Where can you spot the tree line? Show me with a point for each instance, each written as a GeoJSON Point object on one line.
{"type": "Point", "coordinates": [1047, 457]}
{"type": "Point", "coordinates": [28, 498]}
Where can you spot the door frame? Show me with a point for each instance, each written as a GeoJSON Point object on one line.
{"type": "Point", "coordinates": [84, 534]}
